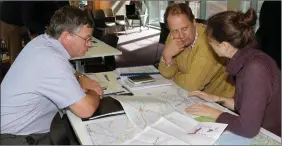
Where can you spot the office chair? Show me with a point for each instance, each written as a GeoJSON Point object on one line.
{"type": "Point", "coordinates": [61, 132]}
{"type": "Point", "coordinates": [112, 40]}
{"type": "Point", "coordinates": [133, 14]}
{"type": "Point", "coordinates": [163, 36]}
{"type": "Point", "coordinates": [119, 19]}
{"type": "Point", "coordinates": [268, 35]}
{"type": "Point", "coordinates": [103, 22]}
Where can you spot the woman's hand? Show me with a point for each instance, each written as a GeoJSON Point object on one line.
{"type": "Point", "coordinates": [205, 96]}
{"type": "Point", "coordinates": [203, 110]}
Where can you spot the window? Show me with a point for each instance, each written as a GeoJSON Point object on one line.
{"type": "Point", "coordinates": [195, 7]}
{"type": "Point", "coordinates": [156, 11]}
{"type": "Point", "coordinates": [245, 5]}
{"type": "Point", "coordinates": [214, 7]}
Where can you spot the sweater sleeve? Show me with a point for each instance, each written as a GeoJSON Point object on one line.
{"type": "Point", "coordinates": [168, 72]}
{"type": "Point", "coordinates": [255, 94]}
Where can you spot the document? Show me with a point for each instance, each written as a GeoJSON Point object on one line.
{"type": "Point", "coordinates": [159, 81]}
{"type": "Point", "coordinates": [137, 70]}
{"type": "Point", "coordinates": [108, 81]}
{"type": "Point", "coordinates": [152, 136]}
{"type": "Point", "coordinates": [179, 129]}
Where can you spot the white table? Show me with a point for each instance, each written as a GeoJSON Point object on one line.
{"type": "Point", "coordinates": [227, 138]}
{"type": "Point", "coordinates": [99, 49]}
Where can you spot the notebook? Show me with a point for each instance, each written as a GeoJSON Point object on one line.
{"type": "Point", "coordinates": [137, 70]}
{"type": "Point", "coordinates": [159, 81]}
{"type": "Point", "coordinates": [108, 107]}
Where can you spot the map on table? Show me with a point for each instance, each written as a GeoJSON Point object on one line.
{"type": "Point", "coordinates": [116, 130]}
{"type": "Point", "coordinates": [111, 130]}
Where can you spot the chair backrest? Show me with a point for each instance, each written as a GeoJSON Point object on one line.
{"type": "Point", "coordinates": [110, 39]}
{"type": "Point", "coordinates": [61, 132]}
{"type": "Point", "coordinates": [164, 33]}
{"type": "Point", "coordinates": [99, 14]}
{"type": "Point", "coordinates": [130, 10]}
{"type": "Point", "coordinates": [90, 14]}
{"type": "Point", "coordinates": [98, 33]}
{"type": "Point", "coordinates": [108, 12]}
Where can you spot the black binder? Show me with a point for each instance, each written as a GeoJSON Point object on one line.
{"type": "Point", "coordinates": [108, 107]}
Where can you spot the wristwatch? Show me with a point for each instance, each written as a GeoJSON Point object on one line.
{"type": "Point", "coordinates": [82, 75]}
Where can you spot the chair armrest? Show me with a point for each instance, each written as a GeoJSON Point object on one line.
{"type": "Point", "coordinates": [110, 19]}
{"type": "Point", "coordinates": [120, 17]}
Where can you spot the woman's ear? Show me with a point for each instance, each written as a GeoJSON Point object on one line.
{"type": "Point", "coordinates": [225, 45]}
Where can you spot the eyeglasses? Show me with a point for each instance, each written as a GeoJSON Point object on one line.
{"type": "Point", "coordinates": [90, 39]}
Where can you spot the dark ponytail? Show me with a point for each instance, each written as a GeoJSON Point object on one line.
{"type": "Point", "coordinates": [233, 27]}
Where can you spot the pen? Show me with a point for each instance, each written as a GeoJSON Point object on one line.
{"type": "Point", "coordinates": [106, 76]}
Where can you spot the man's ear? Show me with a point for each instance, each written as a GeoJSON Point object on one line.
{"type": "Point", "coordinates": [64, 37]}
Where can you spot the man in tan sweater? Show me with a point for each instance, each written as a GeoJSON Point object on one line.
{"type": "Point", "coordinates": [187, 57]}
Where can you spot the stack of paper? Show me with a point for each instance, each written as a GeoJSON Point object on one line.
{"type": "Point", "coordinates": [108, 81]}
{"type": "Point", "coordinates": [178, 129]}
{"type": "Point", "coordinates": [137, 70]}
{"type": "Point", "coordinates": [159, 81]}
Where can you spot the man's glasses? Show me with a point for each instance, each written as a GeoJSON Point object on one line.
{"type": "Point", "coordinates": [90, 39]}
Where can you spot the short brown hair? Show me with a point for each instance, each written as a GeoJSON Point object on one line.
{"type": "Point", "coordinates": [233, 27]}
{"type": "Point", "coordinates": [177, 9]}
{"type": "Point", "coordinates": [67, 18]}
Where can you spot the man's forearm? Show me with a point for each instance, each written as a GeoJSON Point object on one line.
{"type": "Point", "coordinates": [79, 76]}
{"type": "Point", "coordinates": [93, 98]}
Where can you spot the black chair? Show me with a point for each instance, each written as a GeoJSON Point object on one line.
{"type": "Point", "coordinates": [119, 19]}
{"type": "Point", "coordinates": [268, 34]}
{"type": "Point", "coordinates": [97, 33]}
{"type": "Point", "coordinates": [61, 132]}
{"type": "Point", "coordinates": [163, 36]}
{"type": "Point", "coordinates": [109, 61]}
{"type": "Point", "coordinates": [132, 13]}
{"type": "Point", "coordinates": [103, 22]}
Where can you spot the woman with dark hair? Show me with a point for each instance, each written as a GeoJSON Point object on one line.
{"type": "Point", "coordinates": [257, 99]}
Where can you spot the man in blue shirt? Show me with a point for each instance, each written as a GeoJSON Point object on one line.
{"type": "Point", "coordinates": [41, 80]}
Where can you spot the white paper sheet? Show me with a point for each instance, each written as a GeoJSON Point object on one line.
{"type": "Point", "coordinates": [151, 136]}
{"type": "Point", "coordinates": [143, 110]}
{"type": "Point", "coordinates": [111, 130]}
{"type": "Point", "coordinates": [189, 130]}
{"type": "Point", "coordinates": [112, 86]}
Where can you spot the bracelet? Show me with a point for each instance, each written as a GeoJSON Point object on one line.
{"type": "Point", "coordinates": [167, 65]}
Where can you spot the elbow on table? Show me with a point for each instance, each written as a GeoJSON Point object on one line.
{"type": "Point", "coordinates": [84, 108]}
{"type": "Point", "coordinates": [187, 85]}
{"type": "Point", "coordinates": [167, 75]}
{"type": "Point", "coordinates": [250, 133]}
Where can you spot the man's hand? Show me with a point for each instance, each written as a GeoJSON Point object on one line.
{"type": "Point", "coordinates": [205, 96]}
{"type": "Point", "coordinates": [203, 110]}
{"type": "Point", "coordinates": [89, 84]}
{"type": "Point", "coordinates": [172, 48]}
